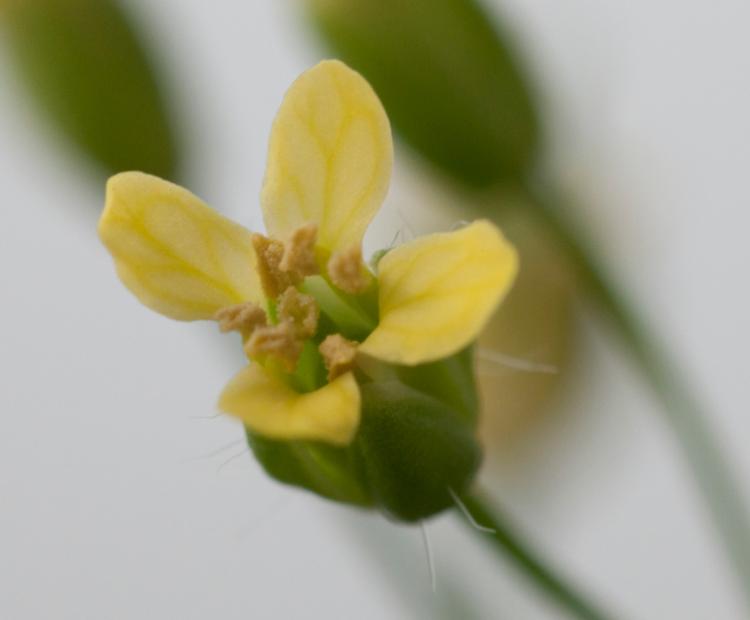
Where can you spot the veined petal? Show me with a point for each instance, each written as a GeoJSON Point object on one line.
{"type": "Point", "coordinates": [271, 408]}
{"type": "Point", "coordinates": [175, 254]}
{"type": "Point", "coordinates": [329, 158]}
{"type": "Point", "coordinates": [437, 292]}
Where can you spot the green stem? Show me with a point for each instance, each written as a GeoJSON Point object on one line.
{"type": "Point", "coordinates": [509, 544]}
{"type": "Point", "coordinates": [700, 446]}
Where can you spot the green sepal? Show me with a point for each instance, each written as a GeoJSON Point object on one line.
{"type": "Point", "coordinates": [414, 446]}
{"type": "Point", "coordinates": [450, 380]}
{"type": "Point", "coordinates": [415, 450]}
{"type": "Point", "coordinates": [329, 471]}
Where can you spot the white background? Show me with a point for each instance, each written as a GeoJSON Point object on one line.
{"type": "Point", "coordinates": [107, 509]}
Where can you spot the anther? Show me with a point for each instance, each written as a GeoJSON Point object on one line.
{"type": "Point", "coordinates": [300, 310]}
{"type": "Point", "coordinates": [278, 341]}
{"type": "Point", "coordinates": [347, 271]}
{"type": "Point", "coordinates": [270, 253]}
{"type": "Point", "coordinates": [338, 355]}
{"type": "Point", "coordinates": [243, 318]}
{"type": "Point", "coordinates": [299, 253]}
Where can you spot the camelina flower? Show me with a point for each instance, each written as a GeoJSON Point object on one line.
{"type": "Point", "coordinates": [330, 341]}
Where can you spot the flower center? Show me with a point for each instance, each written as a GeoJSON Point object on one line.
{"type": "Point", "coordinates": [310, 330]}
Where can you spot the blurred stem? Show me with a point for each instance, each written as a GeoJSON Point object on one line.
{"type": "Point", "coordinates": [700, 447]}
{"type": "Point", "coordinates": [507, 542]}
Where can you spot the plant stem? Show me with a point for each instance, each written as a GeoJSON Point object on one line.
{"type": "Point", "coordinates": [700, 447]}
{"type": "Point", "coordinates": [508, 542]}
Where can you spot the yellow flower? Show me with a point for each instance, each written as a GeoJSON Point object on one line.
{"type": "Point", "coordinates": [302, 298]}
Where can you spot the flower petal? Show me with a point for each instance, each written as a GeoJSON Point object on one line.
{"type": "Point", "coordinates": [175, 254]}
{"type": "Point", "coordinates": [329, 158]}
{"type": "Point", "coordinates": [437, 292]}
{"type": "Point", "coordinates": [271, 408]}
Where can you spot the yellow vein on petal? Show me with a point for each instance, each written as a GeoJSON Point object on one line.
{"type": "Point", "coordinates": [178, 261]}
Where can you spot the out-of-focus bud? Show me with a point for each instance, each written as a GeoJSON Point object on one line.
{"type": "Point", "coordinates": [84, 64]}
{"type": "Point", "coordinates": [448, 79]}
{"type": "Point", "coordinates": [524, 351]}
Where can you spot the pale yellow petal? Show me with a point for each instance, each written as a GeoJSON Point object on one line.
{"type": "Point", "coordinates": [329, 158]}
{"type": "Point", "coordinates": [177, 255]}
{"type": "Point", "coordinates": [437, 292]}
{"type": "Point", "coordinates": [271, 408]}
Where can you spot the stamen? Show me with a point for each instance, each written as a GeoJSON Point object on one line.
{"type": "Point", "coordinates": [348, 272]}
{"type": "Point", "coordinates": [279, 341]}
{"type": "Point", "coordinates": [300, 310]}
{"type": "Point", "coordinates": [270, 253]}
{"type": "Point", "coordinates": [299, 253]}
{"type": "Point", "coordinates": [338, 355]}
{"type": "Point", "coordinates": [243, 318]}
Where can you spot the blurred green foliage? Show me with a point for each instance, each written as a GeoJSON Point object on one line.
{"type": "Point", "coordinates": [449, 82]}
{"type": "Point", "coordinates": [87, 69]}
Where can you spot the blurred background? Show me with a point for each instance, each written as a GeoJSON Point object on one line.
{"type": "Point", "coordinates": [122, 495]}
